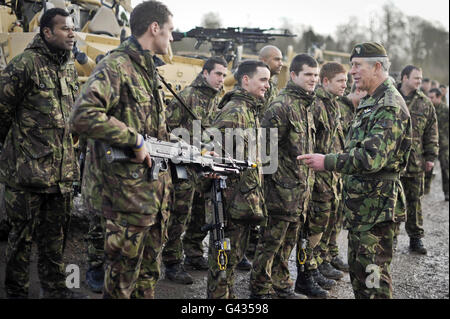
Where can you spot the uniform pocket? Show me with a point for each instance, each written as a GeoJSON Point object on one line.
{"type": "Point", "coordinates": [41, 107]}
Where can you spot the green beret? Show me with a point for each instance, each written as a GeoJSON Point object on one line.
{"type": "Point", "coordinates": [368, 50]}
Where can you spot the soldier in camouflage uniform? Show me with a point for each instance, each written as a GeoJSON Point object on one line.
{"type": "Point", "coordinates": [442, 118]}
{"type": "Point", "coordinates": [38, 163]}
{"type": "Point", "coordinates": [326, 196]}
{"type": "Point", "coordinates": [376, 151]}
{"type": "Point", "coordinates": [424, 151]}
{"type": "Point", "coordinates": [273, 57]}
{"type": "Point", "coordinates": [202, 96]}
{"type": "Point", "coordinates": [288, 190]}
{"type": "Point", "coordinates": [119, 104]}
{"type": "Point", "coordinates": [91, 190]}
{"type": "Point", "coordinates": [243, 198]}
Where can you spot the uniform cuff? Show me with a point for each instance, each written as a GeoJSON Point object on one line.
{"type": "Point", "coordinates": [330, 162]}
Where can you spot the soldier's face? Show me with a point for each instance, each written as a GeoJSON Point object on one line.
{"type": "Point", "coordinates": [364, 74]}
{"type": "Point", "coordinates": [216, 77]}
{"type": "Point", "coordinates": [414, 80]}
{"type": "Point", "coordinates": [337, 84]}
{"type": "Point", "coordinates": [307, 78]}
{"type": "Point", "coordinates": [62, 36]}
{"type": "Point", "coordinates": [436, 100]}
{"type": "Point", "coordinates": [275, 62]}
{"type": "Point", "coordinates": [163, 37]}
{"type": "Point", "coordinates": [258, 84]}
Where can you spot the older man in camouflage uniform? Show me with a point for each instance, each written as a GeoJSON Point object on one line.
{"type": "Point", "coordinates": [119, 104]}
{"type": "Point", "coordinates": [38, 164]}
{"type": "Point", "coordinates": [442, 118]}
{"type": "Point", "coordinates": [424, 151]}
{"type": "Point", "coordinates": [202, 96]}
{"type": "Point", "coordinates": [326, 196]}
{"type": "Point", "coordinates": [288, 190]}
{"type": "Point", "coordinates": [376, 151]}
{"type": "Point", "coordinates": [243, 198]}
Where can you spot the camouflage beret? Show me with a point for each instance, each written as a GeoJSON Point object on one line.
{"type": "Point", "coordinates": [368, 50]}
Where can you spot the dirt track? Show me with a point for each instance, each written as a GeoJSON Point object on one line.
{"type": "Point", "coordinates": [414, 276]}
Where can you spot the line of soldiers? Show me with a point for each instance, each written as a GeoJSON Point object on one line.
{"type": "Point", "coordinates": [368, 137]}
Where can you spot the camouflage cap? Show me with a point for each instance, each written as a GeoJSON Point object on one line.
{"type": "Point", "coordinates": [368, 50]}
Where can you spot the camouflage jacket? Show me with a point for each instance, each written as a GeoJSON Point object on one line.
{"type": "Point", "coordinates": [37, 91]}
{"type": "Point", "coordinates": [201, 98]}
{"type": "Point", "coordinates": [425, 139]}
{"type": "Point", "coordinates": [347, 113]}
{"type": "Point", "coordinates": [270, 95]}
{"type": "Point", "coordinates": [238, 110]}
{"type": "Point", "coordinates": [288, 190]}
{"type": "Point", "coordinates": [119, 101]}
{"type": "Point", "coordinates": [442, 118]}
{"type": "Point", "coordinates": [329, 138]}
{"type": "Point", "coordinates": [376, 150]}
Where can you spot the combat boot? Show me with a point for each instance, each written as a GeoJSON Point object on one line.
{"type": "Point", "coordinates": [416, 245]}
{"type": "Point", "coordinates": [339, 264]}
{"type": "Point", "coordinates": [306, 285]}
{"type": "Point", "coordinates": [330, 272]}
{"type": "Point", "coordinates": [323, 282]}
{"type": "Point", "coordinates": [244, 264]}
{"type": "Point", "coordinates": [176, 273]}
{"type": "Point", "coordinates": [94, 279]}
{"type": "Point", "coordinates": [287, 293]}
{"type": "Point", "coordinates": [196, 263]}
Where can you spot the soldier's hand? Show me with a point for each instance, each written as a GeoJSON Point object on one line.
{"type": "Point", "coordinates": [142, 156]}
{"type": "Point", "coordinates": [314, 161]}
{"type": "Point", "coordinates": [429, 166]}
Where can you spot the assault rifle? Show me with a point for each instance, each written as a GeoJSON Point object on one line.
{"type": "Point", "coordinates": [224, 41]}
{"type": "Point", "coordinates": [179, 154]}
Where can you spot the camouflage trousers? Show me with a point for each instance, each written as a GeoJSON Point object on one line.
{"type": "Point", "coordinates": [414, 190]}
{"type": "Point", "coordinates": [44, 220]}
{"type": "Point", "coordinates": [333, 247]}
{"type": "Point", "coordinates": [444, 161]}
{"type": "Point", "coordinates": [271, 261]}
{"type": "Point", "coordinates": [188, 210]}
{"type": "Point", "coordinates": [95, 240]}
{"type": "Point", "coordinates": [132, 259]}
{"type": "Point", "coordinates": [327, 247]}
{"type": "Point", "coordinates": [220, 285]}
{"type": "Point", "coordinates": [429, 176]}
{"type": "Point", "coordinates": [320, 215]}
{"type": "Point", "coordinates": [369, 259]}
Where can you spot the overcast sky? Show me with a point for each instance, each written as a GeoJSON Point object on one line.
{"type": "Point", "coordinates": [322, 15]}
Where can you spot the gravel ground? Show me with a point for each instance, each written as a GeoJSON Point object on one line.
{"type": "Point", "coordinates": [414, 276]}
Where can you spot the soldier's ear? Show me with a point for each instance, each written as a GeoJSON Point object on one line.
{"type": "Point", "coordinates": [47, 32]}
{"type": "Point", "coordinates": [153, 28]}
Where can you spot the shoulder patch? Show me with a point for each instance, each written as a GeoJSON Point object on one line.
{"type": "Point", "coordinates": [389, 98]}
